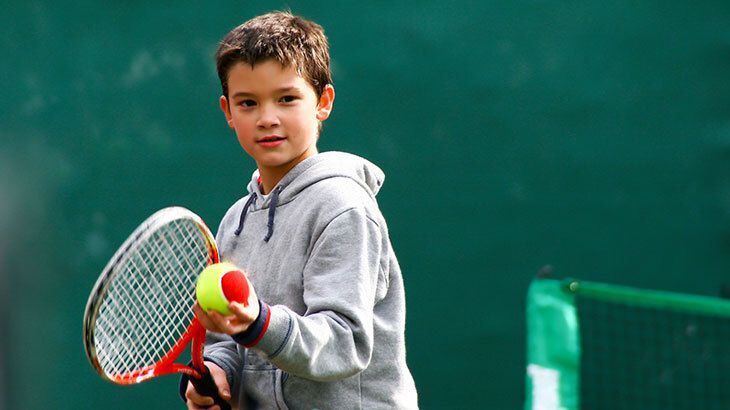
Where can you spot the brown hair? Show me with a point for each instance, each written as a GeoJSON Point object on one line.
{"type": "Point", "coordinates": [290, 40]}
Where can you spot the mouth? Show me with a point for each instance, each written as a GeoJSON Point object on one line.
{"type": "Point", "coordinates": [270, 141]}
{"type": "Point", "coordinates": [270, 138]}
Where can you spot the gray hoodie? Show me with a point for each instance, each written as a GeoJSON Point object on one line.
{"type": "Point", "coordinates": [317, 251]}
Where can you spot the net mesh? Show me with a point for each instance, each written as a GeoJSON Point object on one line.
{"type": "Point", "coordinates": [147, 306]}
{"type": "Point", "coordinates": [635, 357]}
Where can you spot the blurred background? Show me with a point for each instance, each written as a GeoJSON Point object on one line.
{"type": "Point", "coordinates": [589, 136]}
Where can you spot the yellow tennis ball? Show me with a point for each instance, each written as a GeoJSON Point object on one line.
{"type": "Point", "coordinates": [218, 285]}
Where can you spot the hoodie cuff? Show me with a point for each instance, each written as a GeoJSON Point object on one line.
{"type": "Point", "coordinates": [251, 336]}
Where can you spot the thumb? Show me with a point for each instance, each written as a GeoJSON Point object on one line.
{"type": "Point", "coordinates": [246, 314]}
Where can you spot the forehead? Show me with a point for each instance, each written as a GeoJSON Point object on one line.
{"type": "Point", "coordinates": [263, 77]}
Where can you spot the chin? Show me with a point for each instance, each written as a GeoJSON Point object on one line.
{"type": "Point", "coordinates": [274, 162]}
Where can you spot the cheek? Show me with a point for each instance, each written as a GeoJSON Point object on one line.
{"type": "Point", "coordinates": [242, 125]}
{"type": "Point", "coordinates": [247, 144]}
{"type": "Point", "coordinates": [244, 133]}
{"type": "Point", "coordinates": [306, 120]}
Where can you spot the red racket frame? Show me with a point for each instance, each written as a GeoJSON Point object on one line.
{"type": "Point", "coordinates": [194, 333]}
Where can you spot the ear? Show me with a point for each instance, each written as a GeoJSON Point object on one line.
{"type": "Point", "coordinates": [226, 108]}
{"type": "Point", "coordinates": [324, 108]}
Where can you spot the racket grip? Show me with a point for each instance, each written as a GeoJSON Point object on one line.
{"type": "Point", "coordinates": [205, 386]}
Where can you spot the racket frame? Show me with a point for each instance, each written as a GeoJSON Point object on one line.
{"type": "Point", "coordinates": [195, 331]}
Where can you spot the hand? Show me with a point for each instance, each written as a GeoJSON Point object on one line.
{"type": "Point", "coordinates": [197, 402]}
{"type": "Point", "coordinates": [241, 318]}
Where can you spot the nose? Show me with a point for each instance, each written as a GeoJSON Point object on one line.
{"type": "Point", "coordinates": [268, 117]}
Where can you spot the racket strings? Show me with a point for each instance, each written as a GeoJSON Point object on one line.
{"type": "Point", "coordinates": [148, 304]}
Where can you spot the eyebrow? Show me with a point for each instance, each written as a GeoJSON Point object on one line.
{"type": "Point", "coordinates": [281, 90]}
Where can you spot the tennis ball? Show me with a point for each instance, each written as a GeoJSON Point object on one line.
{"type": "Point", "coordinates": [220, 284]}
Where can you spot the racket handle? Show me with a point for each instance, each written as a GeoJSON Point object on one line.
{"type": "Point", "coordinates": [205, 386]}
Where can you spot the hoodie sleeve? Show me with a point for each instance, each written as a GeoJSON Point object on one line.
{"type": "Point", "coordinates": [334, 338]}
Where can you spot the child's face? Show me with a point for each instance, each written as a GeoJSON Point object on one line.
{"type": "Point", "coordinates": [275, 114]}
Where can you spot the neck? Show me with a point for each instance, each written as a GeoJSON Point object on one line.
{"type": "Point", "coordinates": [270, 176]}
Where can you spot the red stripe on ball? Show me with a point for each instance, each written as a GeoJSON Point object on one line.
{"type": "Point", "coordinates": [235, 286]}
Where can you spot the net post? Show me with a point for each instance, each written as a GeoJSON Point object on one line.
{"type": "Point", "coordinates": [553, 347]}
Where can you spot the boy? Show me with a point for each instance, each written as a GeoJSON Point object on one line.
{"type": "Point", "coordinates": [324, 326]}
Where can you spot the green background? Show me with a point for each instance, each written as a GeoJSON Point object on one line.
{"type": "Point", "coordinates": [590, 136]}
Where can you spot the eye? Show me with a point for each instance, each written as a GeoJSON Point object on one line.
{"type": "Point", "coordinates": [288, 99]}
{"type": "Point", "coordinates": [247, 103]}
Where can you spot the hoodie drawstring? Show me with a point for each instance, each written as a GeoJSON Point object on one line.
{"type": "Point", "coordinates": [272, 212]}
{"type": "Point", "coordinates": [242, 218]}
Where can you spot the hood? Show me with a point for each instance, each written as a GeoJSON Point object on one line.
{"type": "Point", "coordinates": [320, 167]}
{"type": "Point", "coordinates": [308, 172]}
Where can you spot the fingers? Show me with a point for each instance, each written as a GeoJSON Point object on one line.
{"type": "Point", "coordinates": [205, 319]}
{"type": "Point", "coordinates": [212, 320]}
{"type": "Point", "coordinates": [220, 379]}
{"type": "Point", "coordinates": [193, 406]}
{"type": "Point", "coordinates": [226, 324]}
{"type": "Point", "coordinates": [245, 314]}
{"type": "Point", "coordinates": [239, 321]}
{"type": "Point", "coordinates": [197, 401]}
{"type": "Point", "coordinates": [252, 298]}
{"type": "Point", "coordinates": [215, 322]}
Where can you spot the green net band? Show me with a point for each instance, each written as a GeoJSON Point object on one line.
{"type": "Point", "coordinates": [612, 347]}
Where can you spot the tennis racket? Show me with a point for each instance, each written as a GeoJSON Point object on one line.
{"type": "Point", "coordinates": [139, 316]}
